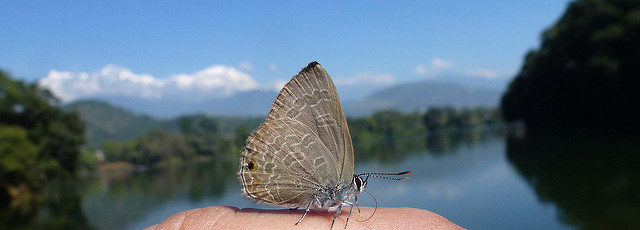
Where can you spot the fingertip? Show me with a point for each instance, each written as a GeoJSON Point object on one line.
{"type": "Point", "coordinates": [409, 218]}
{"type": "Point", "coordinates": [224, 217]}
{"type": "Point", "coordinates": [427, 218]}
{"type": "Point", "coordinates": [209, 217]}
{"type": "Point", "coordinates": [175, 221]}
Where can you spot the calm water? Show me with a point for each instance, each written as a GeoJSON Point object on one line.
{"type": "Point", "coordinates": [479, 180]}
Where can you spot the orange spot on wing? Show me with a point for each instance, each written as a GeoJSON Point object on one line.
{"type": "Point", "coordinates": [251, 166]}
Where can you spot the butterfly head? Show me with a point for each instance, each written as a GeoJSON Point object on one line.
{"type": "Point", "coordinates": [359, 184]}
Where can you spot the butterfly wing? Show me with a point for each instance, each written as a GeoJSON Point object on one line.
{"type": "Point", "coordinates": [312, 99]}
{"type": "Point", "coordinates": [284, 164]}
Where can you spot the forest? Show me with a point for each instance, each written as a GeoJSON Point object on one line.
{"type": "Point", "coordinates": [585, 75]}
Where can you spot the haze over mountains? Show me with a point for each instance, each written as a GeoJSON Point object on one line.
{"type": "Point", "coordinates": [249, 103]}
{"type": "Point", "coordinates": [421, 95]}
{"type": "Point", "coordinates": [446, 90]}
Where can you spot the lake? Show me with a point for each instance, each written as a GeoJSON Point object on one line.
{"type": "Point", "coordinates": [479, 179]}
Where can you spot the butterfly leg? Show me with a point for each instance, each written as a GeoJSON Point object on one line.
{"type": "Point", "coordinates": [336, 215]}
{"type": "Point", "coordinates": [305, 213]}
{"type": "Point", "coordinates": [351, 209]}
{"type": "Point", "coordinates": [358, 207]}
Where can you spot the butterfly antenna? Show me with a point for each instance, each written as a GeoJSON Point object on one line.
{"type": "Point", "coordinates": [389, 178]}
{"type": "Point", "coordinates": [385, 174]}
{"type": "Point", "coordinates": [374, 210]}
{"type": "Point", "coordinates": [379, 173]}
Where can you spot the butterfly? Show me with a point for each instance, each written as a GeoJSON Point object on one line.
{"type": "Point", "coordinates": [301, 156]}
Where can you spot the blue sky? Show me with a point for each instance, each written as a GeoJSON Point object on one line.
{"type": "Point", "coordinates": [363, 42]}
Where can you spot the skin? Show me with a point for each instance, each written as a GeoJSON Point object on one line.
{"type": "Point", "coordinates": [222, 217]}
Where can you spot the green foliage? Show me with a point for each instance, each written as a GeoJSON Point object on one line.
{"type": "Point", "coordinates": [198, 124]}
{"type": "Point", "coordinates": [58, 134]}
{"type": "Point", "coordinates": [438, 118]}
{"type": "Point", "coordinates": [159, 145]}
{"type": "Point", "coordinates": [201, 132]}
{"type": "Point", "coordinates": [446, 118]}
{"type": "Point", "coordinates": [585, 73]}
{"type": "Point", "coordinates": [39, 141]}
{"type": "Point", "coordinates": [105, 122]}
{"type": "Point", "coordinates": [379, 134]}
{"type": "Point", "coordinates": [19, 165]}
{"type": "Point", "coordinates": [149, 149]}
{"type": "Point", "coordinates": [385, 135]}
{"type": "Point", "coordinates": [200, 135]}
{"type": "Point", "coordinates": [88, 160]}
{"type": "Point", "coordinates": [18, 152]}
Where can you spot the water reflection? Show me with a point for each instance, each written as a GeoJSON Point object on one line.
{"type": "Point", "coordinates": [58, 208]}
{"type": "Point", "coordinates": [594, 182]}
{"type": "Point", "coordinates": [390, 149]}
{"type": "Point", "coordinates": [441, 143]}
{"type": "Point", "coordinates": [464, 176]}
{"type": "Point", "coordinates": [113, 201]}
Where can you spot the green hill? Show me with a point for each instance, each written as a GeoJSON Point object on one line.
{"type": "Point", "coordinates": [105, 122]}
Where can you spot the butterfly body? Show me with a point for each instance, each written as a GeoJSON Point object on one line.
{"type": "Point", "coordinates": [334, 197]}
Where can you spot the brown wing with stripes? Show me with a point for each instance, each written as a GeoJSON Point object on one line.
{"type": "Point", "coordinates": [284, 164]}
{"type": "Point", "coordinates": [312, 99]}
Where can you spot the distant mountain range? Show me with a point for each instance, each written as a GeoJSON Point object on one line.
{"type": "Point", "coordinates": [407, 97]}
{"type": "Point", "coordinates": [250, 103]}
{"type": "Point", "coordinates": [416, 96]}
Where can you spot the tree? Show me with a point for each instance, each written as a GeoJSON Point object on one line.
{"type": "Point", "coordinates": [149, 149]}
{"type": "Point", "coordinates": [437, 118]}
{"type": "Point", "coordinates": [586, 73]}
{"type": "Point", "coordinates": [159, 145]}
{"type": "Point", "coordinates": [19, 166]}
{"type": "Point", "coordinates": [38, 140]}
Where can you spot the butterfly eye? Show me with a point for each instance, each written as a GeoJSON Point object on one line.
{"type": "Point", "coordinates": [358, 182]}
